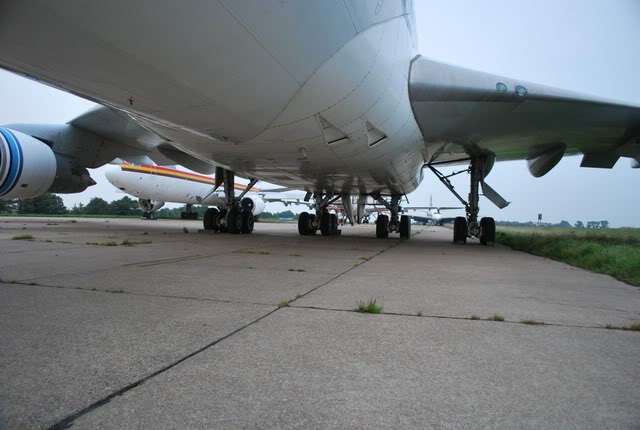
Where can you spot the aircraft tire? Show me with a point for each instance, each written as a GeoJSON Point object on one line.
{"type": "Point", "coordinates": [303, 224]}
{"type": "Point", "coordinates": [382, 227]}
{"type": "Point", "coordinates": [460, 230]}
{"type": "Point", "coordinates": [234, 221]}
{"type": "Point", "coordinates": [210, 220]}
{"type": "Point", "coordinates": [334, 224]}
{"type": "Point", "coordinates": [488, 236]}
{"type": "Point", "coordinates": [325, 224]}
{"type": "Point", "coordinates": [405, 227]}
{"type": "Point", "coordinates": [248, 221]}
{"type": "Point", "coordinates": [312, 230]}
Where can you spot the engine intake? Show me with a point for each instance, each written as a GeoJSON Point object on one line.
{"type": "Point", "coordinates": [29, 168]}
{"type": "Point", "coordinates": [254, 204]}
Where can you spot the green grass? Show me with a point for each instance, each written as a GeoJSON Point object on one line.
{"type": "Point", "coordinates": [369, 307]}
{"type": "Point", "coordinates": [630, 327]}
{"type": "Point", "coordinates": [532, 322]}
{"type": "Point", "coordinates": [284, 303]}
{"type": "Point", "coordinates": [495, 317]}
{"type": "Point", "coordinates": [22, 237]}
{"type": "Point", "coordinates": [475, 317]}
{"type": "Point", "coordinates": [614, 252]}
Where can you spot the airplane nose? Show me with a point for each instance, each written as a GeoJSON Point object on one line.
{"type": "Point", "coordinates": [111, 173]}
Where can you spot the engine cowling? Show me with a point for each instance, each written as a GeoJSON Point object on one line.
{"type": "Point", "coordinates": [29, 168]}
{"type": "Point", "coordinates": [255, 204]}
{"type": "Point", "coordinates": [148, 205]}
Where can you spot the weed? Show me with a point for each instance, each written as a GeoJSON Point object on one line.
{"type": "Point", "coordinates": [22, 237]}
{"type": "Point", "coordinates": [283, 304]}
{"type": "Point", "coordinates": [298, 296]}
{"type": "Point", "coordinates": [185, 230]}
{"type": "Point", "coordinates": [630, 327]}
{"type": "Point", "coordinates": [532, 322]}
{"type": "Point", "coordinates": [419, 313]}
{"type": "Point", "coordinates": [252, 251]}
{"type": "Point", "coordinates": [475, 317]}
{"type": "Point", "coordinates": [369, 307]}
{"type": "Point", "coordinates": [297, 270]}
{"type": "Point", "coordinates": [496, 317]}
{"type": "Point", "coordinates": [120, 291]}
{"type": "Point", "coordinates": [110, 243]}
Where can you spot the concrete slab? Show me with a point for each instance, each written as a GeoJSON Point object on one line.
{"type": "Point", "coordinates": [63, 349]}
{"type": "Point", "coordinates": [429, 274]}
{"type": "Point", "coordinates": [301, 368]}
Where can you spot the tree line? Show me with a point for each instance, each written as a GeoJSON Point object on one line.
{"type": "Point", "coordinates": [561, 224]}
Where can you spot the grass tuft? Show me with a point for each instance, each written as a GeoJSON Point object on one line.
{"type": "Point", "coordinates": [283, 304]}
{"type": "Point", "coordinates": [369, 307]}
{"type": "Point", "coordinates": [22, 237]}
{"type": "Point", "coordinates": [419, 313]}
{"type": "Point", "coordinates": [475, 317]}
{"type": "Point", "coordinates": [496, 317]}
{"type": "Point", "coordinates": [629, 327]}
{"type": "Point", "coordinates": [532, 322]}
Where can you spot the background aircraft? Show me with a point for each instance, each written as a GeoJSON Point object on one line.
{"type": "Point", "coordinates": [430, 214]}
{"type": "Point", "coordinates": [351, 108]}
{"type": "Point", "coordinates": [156, 185]}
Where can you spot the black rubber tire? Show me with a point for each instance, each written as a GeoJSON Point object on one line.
{"type": "Point", "coordinates": [325, 224]}
{"type": "Point", "coordinates": [488, 235]}
{"type": "Point", "coordinates": [303, 224]}
{"type": "Point", "coordinates": [210, 220]}
{"type": "Point", "coordinates": [334, 225]}
{"type": "Point", "coordinates": [312, 230]}
{"type": "Point", "coordinates": [382, 227]}
{"type": "Point", "coordinates": [405, 227]}
{"type": "Point", "coordinates": [234, 221]}
{"type": "Point", "coordinates": [247, 221]}
{"type": "Point", "coordinates": [460, 230]}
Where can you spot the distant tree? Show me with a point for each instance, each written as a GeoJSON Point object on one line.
{"type": "Point", "coordinates": [47, 203]}
{"type": "Point", "coordinates": [579, 224]}
{"type": "Point", "coordinates": [286, 214]}
{"type": "Point", "coordinates": [604, 224]}
{"type": "Point", "coordinates": [593, 224]}
{"type": "Point", "coordinates": [78, 209]}
{"type": "Point", "coordinates": [124, 206]}
{"type": "Point", "coordinates": [10, 205]}
{"type": "Point", "coordinates": [564, 224]}
{"type": "Point", "coordinates": [97, 206]}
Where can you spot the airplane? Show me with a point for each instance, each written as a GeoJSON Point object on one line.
{"type": "Point", "coordinates": [156, 185]}
{"type": "Point", "coordinates": [433, 214]}
{"type": "Point", "coordinates": [330, 97]}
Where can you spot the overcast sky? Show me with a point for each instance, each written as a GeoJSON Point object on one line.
{"type": "Point", "coordinates": [589, 46]}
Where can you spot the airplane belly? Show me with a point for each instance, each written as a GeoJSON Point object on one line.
{"type": "Point", "coordinates": [258, 86]}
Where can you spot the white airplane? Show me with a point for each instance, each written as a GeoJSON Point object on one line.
{"type": "Point", "coordinates": [429, 214]}
{"type": "Point", "coordinates": [331, 97]}
{"type": "Point", "coordinates": [156, 185]}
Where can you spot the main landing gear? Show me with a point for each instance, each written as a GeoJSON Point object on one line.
{"type": "Point", "coordinates": [188, 213]}
{"type": "Point", "coordinates": [327, 223]}
{"type": "Point", "coordinates": [468, 227]}
{"type": "Point", "coordinates": [392, 223]}
{"type": "Point", "coordinates": [231, 218]}
{"type": "Point", "coordinates": [323, 220]}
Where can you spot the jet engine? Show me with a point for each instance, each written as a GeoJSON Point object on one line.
{"type": "Point", "coordinates": [29, 168]}
{"type": "Point", "coordinates": [254, 204]}
{"type": "Point", "coordinates": [148, 205]}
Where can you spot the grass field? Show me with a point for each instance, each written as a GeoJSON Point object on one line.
{"type": "Point", "coordinates": [615, 252]}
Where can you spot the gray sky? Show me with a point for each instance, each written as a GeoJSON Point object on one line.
{"type": "Point", "coordinates": [588, 46]}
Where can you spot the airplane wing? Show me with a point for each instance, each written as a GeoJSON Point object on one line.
{"type": "Point", "coordinates": [463, 112]}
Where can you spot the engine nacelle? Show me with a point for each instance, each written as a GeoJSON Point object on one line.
{"type": "Point", "coordinates": [255, 204]}
{"type": "Point", "coordinates": [148, 205]}
{"type": "Point", "coordinates": [29, 168]}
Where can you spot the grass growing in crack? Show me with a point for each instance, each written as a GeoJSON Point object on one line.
{"type": "Point", "coordinates": [128, 242]}
{"type": "Point", "coordinates": [22, 237]}
{"type": "Point", "coordinates": [419, 313]}
{"type": "Point", "coordinates": [629, 327]}
{"type": "Point", "coordinates": [496, 317]}
{"type": "Point", "coordinates": [369, 307]}
{"type": "Point", "coordinates": [284, 303]}
{"type": "Point", "coordinates": [185, 230]}
{"type": "Point", "coordinates": [532, 322]}
{"type": "Point", "coordinates": [252, 251]}
{"type": "Point", "coordinates": [297, 270]}
{"type": "Point", "coordinates": [298, 296]}
{"type": "Point", "coordinates": [120, 291]}
{"type": "Point", "coordinates": [475, 317]}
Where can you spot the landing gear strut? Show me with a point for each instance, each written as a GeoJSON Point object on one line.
{"type": "Point", "coordinates": [464, 227]}
{"type": "Point", "coordinates": [231, 218]}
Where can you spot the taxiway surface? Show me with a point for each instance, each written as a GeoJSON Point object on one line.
{"type": "Point", "coordinates": [126, 323]}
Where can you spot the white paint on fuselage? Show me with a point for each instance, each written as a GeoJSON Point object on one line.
{"type": "Point", "coordinates": [162, 188]}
